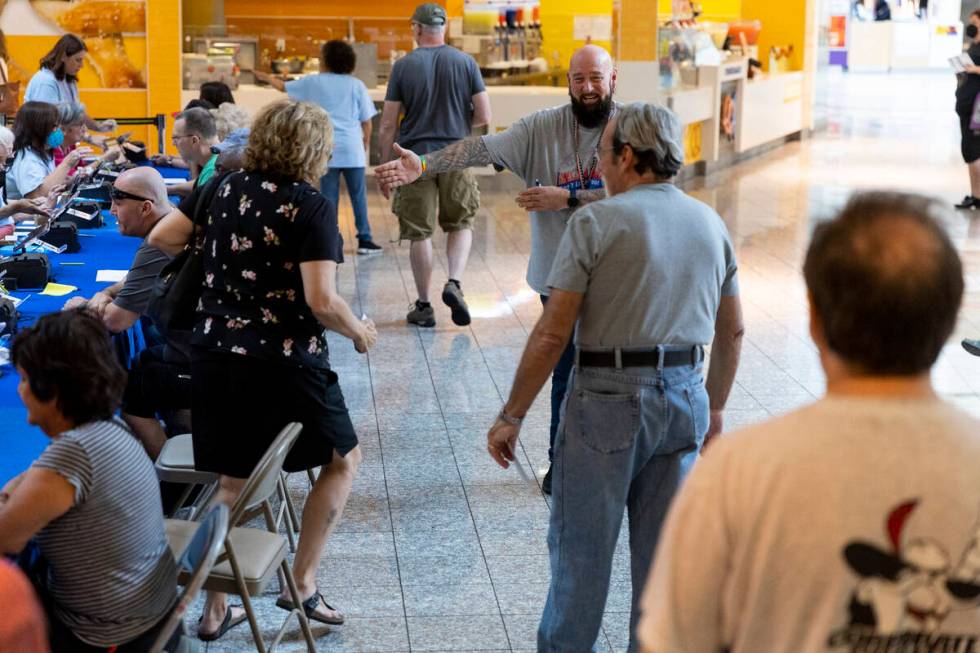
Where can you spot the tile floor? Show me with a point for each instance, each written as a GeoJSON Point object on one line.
{"type": "Point", "coordinates": [440, 550]}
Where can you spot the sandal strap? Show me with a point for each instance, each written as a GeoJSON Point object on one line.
{"type": "Point", "coordinates": [309, 605]}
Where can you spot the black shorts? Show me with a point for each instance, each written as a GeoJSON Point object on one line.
{"type": "Point", "coordinates": [157, 383]}
{"type": "Point", "coordinates": [241, 403]}
{"type": "Point", "coordinates": [969, 139]}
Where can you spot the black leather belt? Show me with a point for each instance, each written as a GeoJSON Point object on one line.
{"type": "Point", "coordinates": [647, 358]}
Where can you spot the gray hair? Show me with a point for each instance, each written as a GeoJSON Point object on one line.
{"type": "Point", "coordinates": [71, 113]}
{"type": "Point", "coordinates": [7, 139]}
{"type": "Point", "coordinates": [229, 117]}
{"type": "Point", "coordinates": [655, 135]}
{"type": "Point", "coordinates": [200, 122]}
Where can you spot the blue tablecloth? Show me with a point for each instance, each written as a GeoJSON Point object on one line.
{"type": "Point", "coordinates": [106, 249]}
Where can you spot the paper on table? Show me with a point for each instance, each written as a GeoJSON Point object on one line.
{"type": "Point", "coordinates": [57, 289]}
{"type": "Point", "coordinates": [110, 276]}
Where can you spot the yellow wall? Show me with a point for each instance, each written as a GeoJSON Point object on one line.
{"type": "Point", "coordinates": [557, 26]}
{"type": "Point", "coordinates": [163, 30]}
{"type": "Point", "coordinates": [783, 24]}
{"type": "Point", "coordinates": [721, 11]}
{"type": "Point", "coordinates": [126, 74]}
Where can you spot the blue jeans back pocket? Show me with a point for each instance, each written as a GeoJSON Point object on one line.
{"type": "Point", "coordinates": [608, 422]}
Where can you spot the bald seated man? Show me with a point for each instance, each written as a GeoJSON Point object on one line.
{"type": "Point", "coordinates": [139, 201]}
{"type": "Point", "coordinates": [556, 152]}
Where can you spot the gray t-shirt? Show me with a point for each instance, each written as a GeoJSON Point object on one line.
{"type": "Point", "coordinates": [436, 88]}
{"type": "Point", "coordinates": [111, 572]}
{"type": "Point", "coordinates": [140, 279]}
{"type": "Point", "coordinates": [541, 148]}
{"type": "Point", "coordinates": [653, 264]}
{"type": "Point", "coordinates": [849, 525]}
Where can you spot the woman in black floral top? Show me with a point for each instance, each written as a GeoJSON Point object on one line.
{"type": "Point", "coordinates": [260, 360]}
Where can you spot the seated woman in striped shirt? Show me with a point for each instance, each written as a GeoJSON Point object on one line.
{"type": "Point", "coordinates": [90, 502]}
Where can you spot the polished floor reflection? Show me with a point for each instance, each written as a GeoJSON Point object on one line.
{"type": "Point", "coordinates": [439, 549]}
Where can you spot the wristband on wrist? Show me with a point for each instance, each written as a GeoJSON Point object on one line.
{"type": "Point", "coordinates": [424, 164]}
{"type": "Point", "coordinates": [508, 419]}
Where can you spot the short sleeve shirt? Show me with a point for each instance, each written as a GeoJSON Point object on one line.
{"type": "Point", "coordinates": [346, 100]}
{"type": "Point", "coordinates": [207, 172]}
{"type": "Point", "coordinates": [847, 525]}
{"type": "Point", "coordinates": [541, 148]}
{"type": "Point", "coordinates": [111, 574]}
{"type": "Point", "coordinates": [45, 87]}
{"type": "Point", "coordinates": [259, 230]}
{"type": "Point", "coordinates": [27, 173]}
{"type": "Point", "coordinates": [435, 87]}
{"type": "Point", "coordinates": [141, 278]}
{"type": "Point", "coordinates": [653, 264]}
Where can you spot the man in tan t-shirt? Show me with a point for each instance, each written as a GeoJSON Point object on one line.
{"type": "Point", "coordinates": [852, 524]}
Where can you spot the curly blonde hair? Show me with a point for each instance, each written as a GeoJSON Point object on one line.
{"type": "Point", "coordinates": [228, 117]}
{"type": "Point", "coordinates": [290, 140]}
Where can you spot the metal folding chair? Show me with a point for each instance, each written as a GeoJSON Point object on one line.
{"type": "Point", "coordinates": [253, 557]}
{"type": "Point", "coordinates": [175, 464]}
{"type": "Point", "coordinates": [195, 564]}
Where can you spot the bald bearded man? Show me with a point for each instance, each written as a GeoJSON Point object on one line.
{"type": "Point", "coordinates": [556, 152]}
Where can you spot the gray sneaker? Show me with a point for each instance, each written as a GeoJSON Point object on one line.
{"type": "Point", "coordinates": [452, 296]}
{"type": "Point", "coordinates": [422, 316]}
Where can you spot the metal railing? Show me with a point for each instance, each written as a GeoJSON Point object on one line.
{"type": "Point", "coordinates": [159, 121]}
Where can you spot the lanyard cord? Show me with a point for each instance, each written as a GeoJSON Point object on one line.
{"type": "Point", "coordinates": [595, 151]}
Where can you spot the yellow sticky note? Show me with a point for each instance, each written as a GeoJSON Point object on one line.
{"type": "Point", "coordinates": [58, 289]}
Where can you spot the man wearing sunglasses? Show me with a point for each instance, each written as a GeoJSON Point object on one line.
{"type": "Point", "coordinates": [139, 201]}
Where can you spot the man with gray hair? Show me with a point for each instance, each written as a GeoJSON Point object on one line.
{"type": "Point", "coordinates": [650, 276]}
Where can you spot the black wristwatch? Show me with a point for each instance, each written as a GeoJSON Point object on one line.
{"type": "Point", "coordinates": [573, 202]}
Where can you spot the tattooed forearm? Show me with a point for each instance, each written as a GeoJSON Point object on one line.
{"type": "Point", "coordinates": [458, 156]}
{"type": "Point", "coordinates": [586, 196]}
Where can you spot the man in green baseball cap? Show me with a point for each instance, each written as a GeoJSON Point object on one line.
{"type": "Point", "coordinates": [441, 94]}
{"type": "Point", "coordinates": [429, 14]}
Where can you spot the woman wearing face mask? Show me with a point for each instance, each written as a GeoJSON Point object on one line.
{"type": "Point", "coordinates": [37, 133]}
{"type": "Point", "coordinates": [967, 90]}
{"type": "Point", "coordinates": [16, 210]}
{"type": "Point", "coordinates": [57, 79]}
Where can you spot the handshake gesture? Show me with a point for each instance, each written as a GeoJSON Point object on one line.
{"type": "Point", "coordinates": [403, 170]}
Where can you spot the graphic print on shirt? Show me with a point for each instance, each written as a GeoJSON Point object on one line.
{"type": "Point", "coordinates": [906, 591]}
{"type": "Point", "coordinates": [568, 173]}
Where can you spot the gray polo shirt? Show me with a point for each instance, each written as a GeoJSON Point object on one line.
{"type": "Point", "coordinates": [653, 264]}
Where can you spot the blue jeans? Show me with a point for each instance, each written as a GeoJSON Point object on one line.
{"type": "Point", "coordinates": [330, 188]}
{"type": "Point", "coordinates": [626, 440]}
{"type": "Point", "coordinates": [559, 385]}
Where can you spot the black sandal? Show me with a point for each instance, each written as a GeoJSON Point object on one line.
{"type": "Point", "coordinates": [226, 624]}
{"type": "Point", "coordinates": [309, 608]}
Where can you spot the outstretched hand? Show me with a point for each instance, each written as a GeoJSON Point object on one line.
{"type": "Point", "coordinates": [403, 170]}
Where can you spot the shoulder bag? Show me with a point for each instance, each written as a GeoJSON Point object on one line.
{"type": "Point", "coordinates": [177, 291]}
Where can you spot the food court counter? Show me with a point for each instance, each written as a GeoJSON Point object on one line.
{"type": "Point", "coordinates": [507, 103]}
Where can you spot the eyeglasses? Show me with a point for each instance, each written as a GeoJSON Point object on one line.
{"type": "Point", "coordinates": [117, 195]}
{"type": "Point", "coordinates": [177, 137]}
